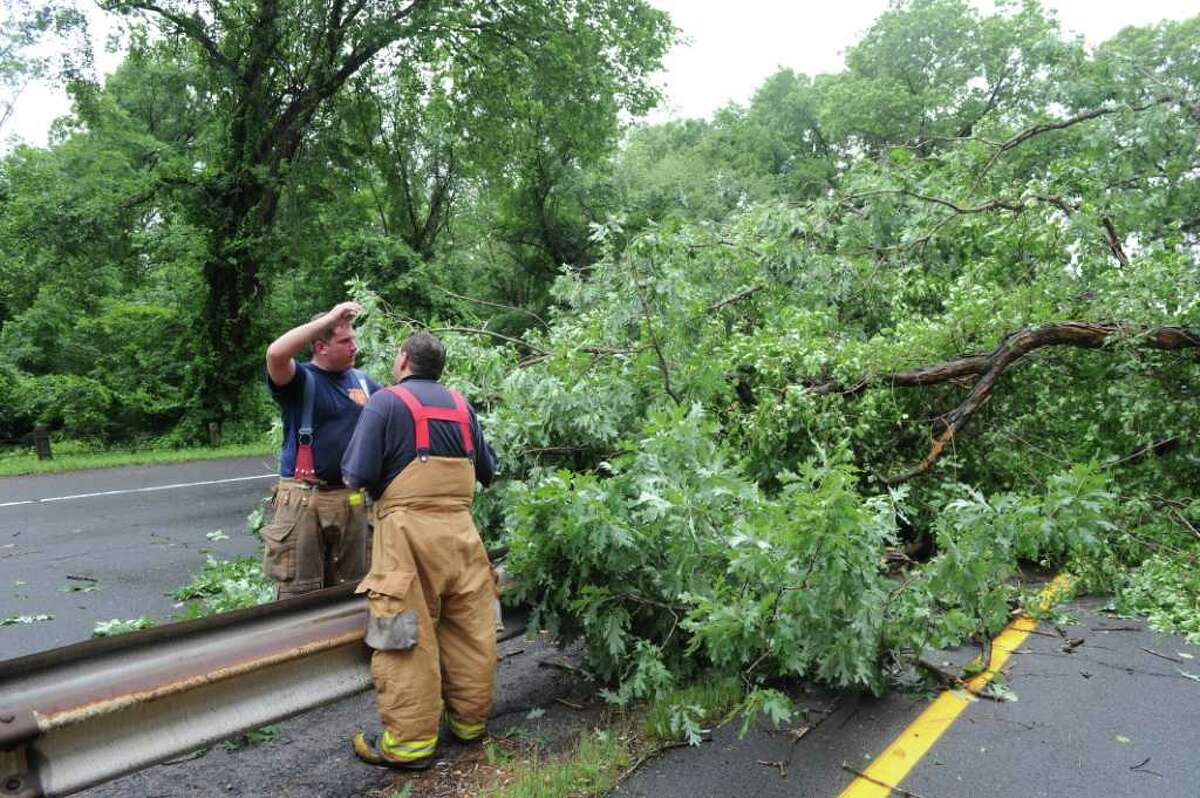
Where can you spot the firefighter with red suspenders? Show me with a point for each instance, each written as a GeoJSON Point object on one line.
{"type": "Point", "coordinates": [419, 451]}
{"type": "Point", "coordinates": [318, 535]}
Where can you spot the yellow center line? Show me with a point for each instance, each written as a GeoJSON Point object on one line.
{"type": "Point", "coordinates": [902, 755]}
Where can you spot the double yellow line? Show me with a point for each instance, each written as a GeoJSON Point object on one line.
{"type": "Point", "coordinates": [891, 766]}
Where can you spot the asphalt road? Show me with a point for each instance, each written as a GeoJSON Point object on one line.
{"type": "Point", "coordinates": [1105, 708]}
{"type": "Point", "coordinates": [139, 531]}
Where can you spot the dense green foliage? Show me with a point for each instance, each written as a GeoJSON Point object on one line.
{"type": "Point", "coordinates": [796, 391]}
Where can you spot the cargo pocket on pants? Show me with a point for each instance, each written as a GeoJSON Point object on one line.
{"type": "Point", "coordinates": [392, 625]}
{"type": "Point", "coordinates": [279, 551]}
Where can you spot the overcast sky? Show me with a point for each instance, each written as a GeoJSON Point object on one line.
{"type": "Point", "coordinates": [730, 48]}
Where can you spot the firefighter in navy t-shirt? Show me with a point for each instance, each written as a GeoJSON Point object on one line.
{"type": "Point", "coordinates": [318, 536]}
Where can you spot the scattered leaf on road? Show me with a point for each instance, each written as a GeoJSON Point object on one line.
{"type": "Point", "coordinates": [13, 620]}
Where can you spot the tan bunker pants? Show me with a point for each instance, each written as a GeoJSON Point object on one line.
{"type": "Point", "coordinates": [316, 539]}
{"type": "Point", "coordinates": [431, 597]}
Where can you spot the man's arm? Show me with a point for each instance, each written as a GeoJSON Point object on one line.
{"type": "Point", "coordinates": [485, 455]}
{"type": "Point", "coordinates": [281, 363]}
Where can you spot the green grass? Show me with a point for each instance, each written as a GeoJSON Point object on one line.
{"type": "Point", "coordinates": [598, 760]}
{"type": "Point", "coordinates": [71, 456]}
{"type": "Point", "coordinates": [591, 769]}
{"type": "Point", "coordinates": [520, 767]}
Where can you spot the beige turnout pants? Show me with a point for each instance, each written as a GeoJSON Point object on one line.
{"type": "Point", "coordinates": [431, 597]}
{"type": "Point", "coordinates": [315, 539]}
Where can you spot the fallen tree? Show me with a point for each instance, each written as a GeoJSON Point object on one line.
{"type": "Point", "coordinates": [683, 494]}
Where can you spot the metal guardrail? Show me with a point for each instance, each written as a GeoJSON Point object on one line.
{"type": "Point", "coordinates": [76, 716]}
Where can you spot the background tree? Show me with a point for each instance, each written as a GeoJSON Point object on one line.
{"type": "Point", "coordinates": [268, 70]}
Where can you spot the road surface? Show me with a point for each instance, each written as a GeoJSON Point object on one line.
{"type": "Point", "coordinates": [139, 531]}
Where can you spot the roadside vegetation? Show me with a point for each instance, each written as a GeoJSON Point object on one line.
{"type": "Point", "coordinates": [591, 763]}
{"type": "Point", "coordinates": [795, 392]}
{"type": "Point", "coordinates": [74, 456]}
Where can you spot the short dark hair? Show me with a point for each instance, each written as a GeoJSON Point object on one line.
{"type": "Point", "coordinates": [326, 334]}
{"type": "Point", "coordinates": [426, 355]}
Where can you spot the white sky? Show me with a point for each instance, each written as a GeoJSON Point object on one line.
{"type": "Point", "coordinates": [730, 49]}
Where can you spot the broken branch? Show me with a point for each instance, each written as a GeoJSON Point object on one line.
{"type": "Point", "coordinates": [987, 369]}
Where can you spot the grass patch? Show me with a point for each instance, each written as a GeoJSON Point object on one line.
{"type": "Point", "coordinates": [517, 766]}
{"type": "Point", "coordinates": [590, 769]}
{"type": "Point", "coordinates": [73, 456]}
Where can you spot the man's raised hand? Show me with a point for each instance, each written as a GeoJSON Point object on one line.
{"type": "Point", "coordinates": [342, 313]}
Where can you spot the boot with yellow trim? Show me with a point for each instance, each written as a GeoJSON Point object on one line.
{"type": "Point", "coordinates": [465, 732]}
{"type": "Point", "coordinates": [384, 750]}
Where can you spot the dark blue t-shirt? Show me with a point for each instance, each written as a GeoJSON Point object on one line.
{"type": "Point", "coordinates": [385, 441]}
{"type": "Point", "coordinates": [339, 400]}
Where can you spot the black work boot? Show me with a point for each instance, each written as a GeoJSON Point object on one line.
{"type": "Point", "coordinates": [380, 750]}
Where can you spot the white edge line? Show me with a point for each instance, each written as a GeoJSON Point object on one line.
{"type": "Point", "coordinates": [138, 490]}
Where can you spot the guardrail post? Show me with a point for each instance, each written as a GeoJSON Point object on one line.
{"type": "Point", "coordinates": [41, 442]}
{"type": "Point", "coordinates": [16, 779]}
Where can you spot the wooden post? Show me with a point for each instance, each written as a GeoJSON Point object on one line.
{"type": "Point", "coordinates": [214, 434]}
{"type": "Point", "coordinates": [41, 442]}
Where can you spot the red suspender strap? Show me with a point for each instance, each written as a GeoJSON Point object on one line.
{"type": "Point", "coordinates": [420, 422]}
{"type": "Point", "coordinates": [423, 413]}
{"type": "Point", "coordinates": [464, 422]}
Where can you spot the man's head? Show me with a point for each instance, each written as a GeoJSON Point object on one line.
{"type": "Point", "coordinates": [421, 355]}
{"type": "Point", "coordinates": [334, 349]}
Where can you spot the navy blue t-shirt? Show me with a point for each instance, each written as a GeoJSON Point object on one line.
{"type": "Point", "coordinates": [385, 440]}
{"type": "Point", "coordinates": [339, 400]}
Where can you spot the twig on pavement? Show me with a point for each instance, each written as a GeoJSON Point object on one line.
{"type": "Point", "coordinates": [1162, 656]}
{"type": "Point", "coordinates": [1116, 628]}
{"type": "Point", "coordinates": [898, 790]}
{"type": "Point", "coordinates": [1140, 767]}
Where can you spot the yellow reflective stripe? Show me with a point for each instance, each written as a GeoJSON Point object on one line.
{"type": "Point", "coordinates": [464, 729]}
{"type": "Point", "coordinates": [411, 748]}
{"type": "Point", "coordinates": [406, 749]}
{"type": "Point", "coordinates": [458, 724]}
